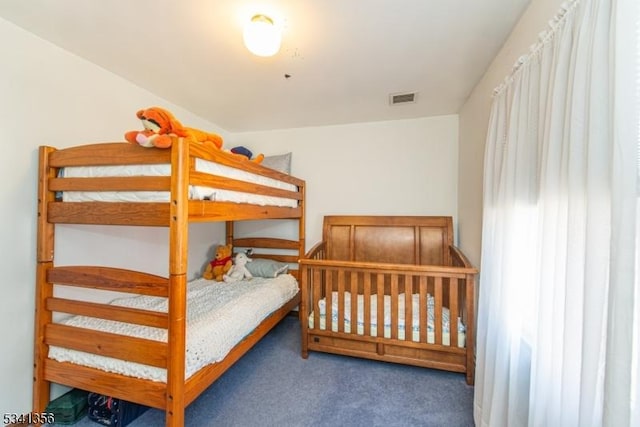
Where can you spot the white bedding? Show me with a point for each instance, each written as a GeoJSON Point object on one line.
{"type": "Point", "coordinates": [195, 192]}
{"type": "Point", "coordinates": [219, 315]}
{"type": "Point", "coordinates": [415, 327]}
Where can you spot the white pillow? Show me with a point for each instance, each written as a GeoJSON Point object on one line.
{"type": "Point", "coordinates": [281, 163]}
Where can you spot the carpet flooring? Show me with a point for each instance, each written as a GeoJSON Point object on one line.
{"type": "Point", "coordinates": [273, 386]}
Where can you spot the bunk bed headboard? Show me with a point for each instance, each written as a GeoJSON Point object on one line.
{"type": "Point", "coordinates": [419, 240]}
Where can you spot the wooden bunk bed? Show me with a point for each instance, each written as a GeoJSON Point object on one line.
{"type": "Point", "coordinates": [174, 212]}
{"type": "Point", "coordinates": [370, 273]}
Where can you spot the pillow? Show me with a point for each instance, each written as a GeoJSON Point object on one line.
{"type": "Point", "coordinates": [268, 268]}
{"type": "Point", "coordinates": [280, 163]}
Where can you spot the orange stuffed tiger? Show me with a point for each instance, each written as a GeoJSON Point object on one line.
{"type": "Point", "coordinates": [159, 125]}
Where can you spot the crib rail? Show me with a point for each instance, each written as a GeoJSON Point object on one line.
{"type": "Point", "coordinates": [389, 312]}
{"type": "Point", "coordinates": [340, 281]}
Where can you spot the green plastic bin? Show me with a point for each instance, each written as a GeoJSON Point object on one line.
{"type": "Point", "coordinates": [69, 408]}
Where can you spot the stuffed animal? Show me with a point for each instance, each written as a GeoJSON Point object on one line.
{"type": "Point", "coordinates": [245, 153]}
{"type": "Point", "coordinates": [239, 269]}
{"type": "Point", "coordinates": [220, 264]}
{"type": "Point", "coordinates": [159, 125]}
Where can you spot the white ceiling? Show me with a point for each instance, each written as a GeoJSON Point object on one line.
{"type": "Point", "coordinates": [345, 57]}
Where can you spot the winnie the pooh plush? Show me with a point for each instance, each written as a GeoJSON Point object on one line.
{"type": "Point", "coordinates": [159, 125]}
{"type": "Point", "coordinates": [220, 265]}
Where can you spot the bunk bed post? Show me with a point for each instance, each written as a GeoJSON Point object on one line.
{"type": "Point", "coordinates": [178, 244]}
{"type": "Point", "coordinates": [229, 232]}
{"type": "Point", "coordinates": [44, 290]}
{"type": "Point", "coordinates": [301, 223]}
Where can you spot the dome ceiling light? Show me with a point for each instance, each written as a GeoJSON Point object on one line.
{"type": "Point", "coordinates": [261, 36]}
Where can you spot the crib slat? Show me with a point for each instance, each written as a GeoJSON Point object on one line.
{"type": "Point", "coordinates": [453, 312]}
{"type": "Point", "coordinates": [367, 303]}
{"type": "Point", "coordinates": [340, 300]}
{"type": "Point", "coordinates": [394, 306]}
{"type": "Point", "coordinates": [353, 286]}
{"type": "Point", "coordinates": [380, 302]}
{"type": "Point", "coordinates": [423, 309]}
{"type": "Point", "coordinates": [328, 293]}
{"type": "Point", "coordinates": [437, 324]}
{"type": "Point", "coordinates": [316, 299]}
{"type": "Point", "coordinates": [408, 308]}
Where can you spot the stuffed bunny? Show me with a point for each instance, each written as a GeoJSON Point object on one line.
{"type": "Point", "coordinates": [239, 269]}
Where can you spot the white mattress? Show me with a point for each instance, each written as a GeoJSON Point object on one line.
{"type": "Point", "coordinates": [195, 192]}
{"type": "Point", "coordinates": [415, 326]}
{"type": "Point", "coordinates": [219, 315]}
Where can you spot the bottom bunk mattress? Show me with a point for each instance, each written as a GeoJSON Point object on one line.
{"type": "Point", "coordinates": [219, 315]}
{"type": "Point", "coordinates": [415, 326]}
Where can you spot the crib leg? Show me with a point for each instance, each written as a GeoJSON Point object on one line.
{"type": "Point", "coordinates": [305, 346]}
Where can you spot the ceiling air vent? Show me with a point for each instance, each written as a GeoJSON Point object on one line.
{"type": "Point", "coordinates": [403, 98]}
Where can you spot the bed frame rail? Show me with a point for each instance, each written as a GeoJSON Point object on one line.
{"type": "Point", "coordinates": [183, 174]}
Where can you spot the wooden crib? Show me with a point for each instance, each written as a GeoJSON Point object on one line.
{"type": "Point", "coordinates": [392, 268]}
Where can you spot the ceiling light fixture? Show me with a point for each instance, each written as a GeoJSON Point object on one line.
{"type": "Point", "coordinates": [261, 36]}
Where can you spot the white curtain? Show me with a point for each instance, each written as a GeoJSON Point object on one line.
{"type": "Point", "coordinates": [559, 301]}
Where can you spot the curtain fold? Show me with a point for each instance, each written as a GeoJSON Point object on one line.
{"type": "Point", "coordinates": [558, 297]}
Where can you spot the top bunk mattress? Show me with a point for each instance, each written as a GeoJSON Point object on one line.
{"type": "Point", "coordinates": [219, 315]}
{"type": "Point", "coordinates": [195, 192]}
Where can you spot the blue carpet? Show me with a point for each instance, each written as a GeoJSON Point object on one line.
{"type": "Point", "coordinates": [273, 386]}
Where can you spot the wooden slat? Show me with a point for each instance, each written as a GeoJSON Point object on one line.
{"type": "Point", "coordinates": [366, 284]}
{"type": "Point", "coordinates": [438, 309]}
{"type": "Point", "coordinates": [109, 312]}
{"type": "Point", "coordinates": [353, 288]}
{"type": "Point", "coordinates": [108, 153]}
{"type": "Point", "coordinates": [381, 340]}
{"type": "Point", "coordinates": [394, 306]}
{"type": "Point", "coordinates": [144, 392]}
{"type": "Point", "coordinates": [269, 243]}
{"type": "Point", "coordinates": [317, 295]}
{"type": "Point", "coordinates": [225, 183]}
{"type": "Point", "coordinates": [423, 309]}
{"type": "Point", "coordinates": [147, 352]}
{"type": "Point", "coordinates": [408, 308]}
{"type": "Point", "coordinates": [109, 213]}
{"type": "Point", "coordinates": [380, 305]}
{"type": "Point", "coordinates": [135, 183]}
{"type": "Point", "coordinates": [204, 210]}
{"type": "Point", "coordinates": [111, 279]}
{"type": "Point", "coordinates": [430, 270]}
{"type": "Point", "coordinates": [341, 300]}
{"type": "Point", "coordinates": [453, 312]}
{"type": "Point", "coordinates": [328, 293]}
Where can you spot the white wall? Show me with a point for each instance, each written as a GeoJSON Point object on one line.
{"type": "Point", "coordinates": [48, 96]}
{"type": "Point", "coordinates": [474, 119]}
{"type": "Point", "coordinates": [404, 167]}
